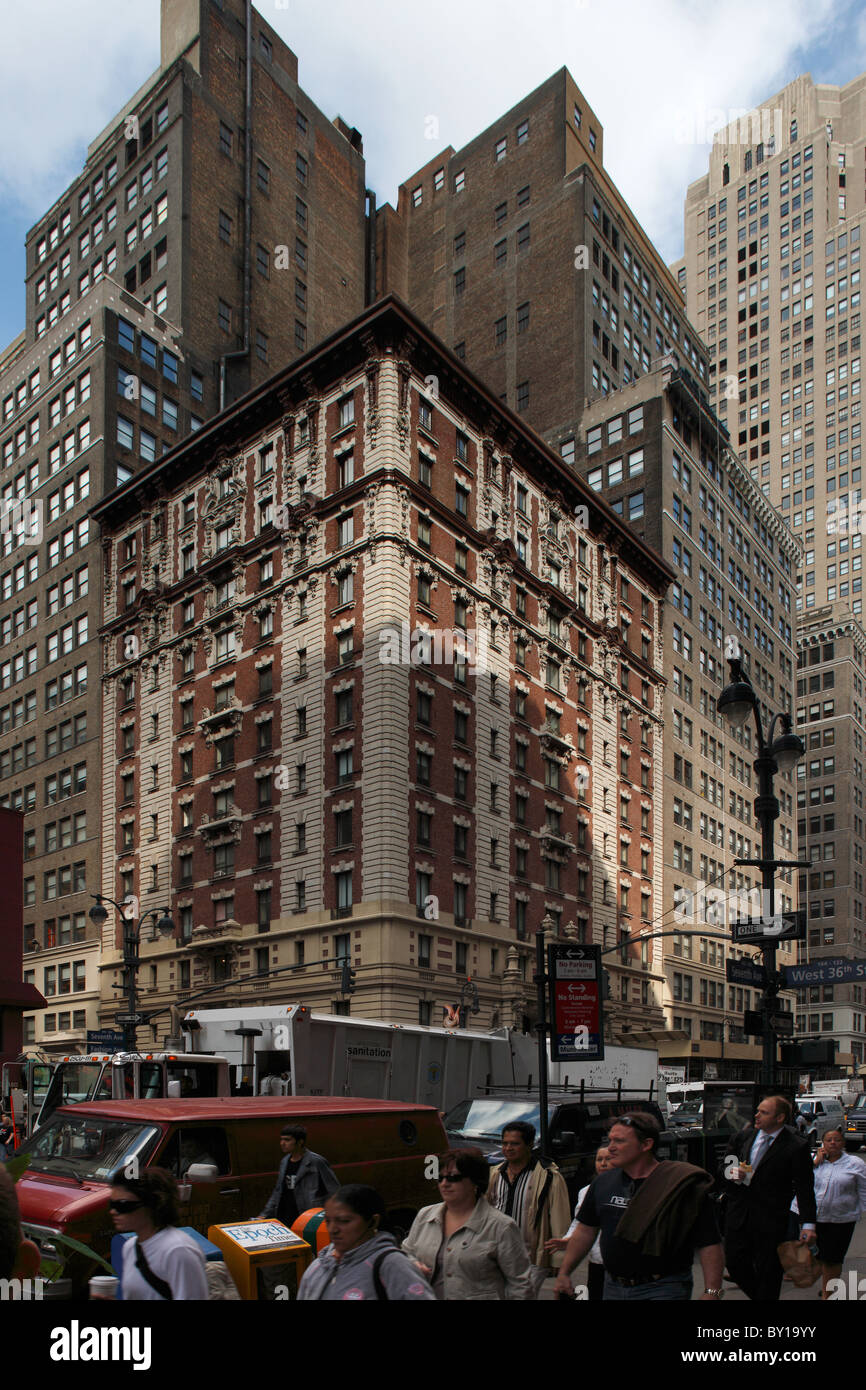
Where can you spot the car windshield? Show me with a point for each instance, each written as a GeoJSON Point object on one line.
{"type": "Point", "coordinates": [860, 1103]}
{"type": "Point", "coordinates": [486, 1119]}
{"type": "Point", "coordinates": [88, 1147]}
{"type": "Point", "coordinates": [692, 1111]}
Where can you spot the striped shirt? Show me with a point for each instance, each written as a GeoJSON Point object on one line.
{"type": "Point", "coordinates": [509, 1197]}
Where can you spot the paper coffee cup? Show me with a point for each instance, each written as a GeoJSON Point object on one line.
{"type": "Point", "coordinates": [103, 1286]}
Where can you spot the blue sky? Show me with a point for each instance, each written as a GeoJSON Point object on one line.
{"type": "Point", "coordinates": [646, 68]}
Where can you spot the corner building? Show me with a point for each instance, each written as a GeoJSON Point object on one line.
{"type": "Point", "coordinates": [294, 782]}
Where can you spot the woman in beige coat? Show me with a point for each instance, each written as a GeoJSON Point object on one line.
{"type": "Point", "coordinates": [464, 1246]}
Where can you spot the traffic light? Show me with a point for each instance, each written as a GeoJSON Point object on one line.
{"type": "Point", "coordinates": [347, 980]}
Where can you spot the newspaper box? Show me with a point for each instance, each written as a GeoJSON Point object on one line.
{"type": "Point", "coordinates": [250, 1246]}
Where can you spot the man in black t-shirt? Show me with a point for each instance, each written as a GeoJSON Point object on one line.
{"type": "Point", "coordinates": [652, 1216]}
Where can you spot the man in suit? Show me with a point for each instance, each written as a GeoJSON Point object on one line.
{"type": "Point", "coordinates": [766, 1166]}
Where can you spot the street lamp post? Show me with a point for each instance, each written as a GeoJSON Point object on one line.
{"type": "Point", "coordinates": [131, 940]}
{"type": "Point", "coordinates": [782, 754]}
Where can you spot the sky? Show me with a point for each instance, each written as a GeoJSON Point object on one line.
{"type": "Point", "coordinates": [660, 75]}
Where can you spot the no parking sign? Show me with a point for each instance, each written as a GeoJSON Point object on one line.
{"type": "Point", "coordinates": [577, 1024]}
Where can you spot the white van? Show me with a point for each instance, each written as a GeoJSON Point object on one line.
{"type": "Point", "coordinates": [820, 1113]}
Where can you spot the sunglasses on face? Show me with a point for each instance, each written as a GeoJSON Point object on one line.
{"type": "Point", "coordinates": [125, 1206]}
{"type": "Point", "coordinates": [451, 1177]}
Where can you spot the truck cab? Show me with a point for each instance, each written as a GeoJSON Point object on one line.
{"type": "Point", "coordinates": [23, 1087]}
{"type": "Point", "coordinates": [133, 1076]}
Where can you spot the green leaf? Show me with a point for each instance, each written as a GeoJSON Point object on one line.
{"type": "Point", "coordinates": [16, 1166]}
{"type": "Point", "coordinates": [81, 1249]}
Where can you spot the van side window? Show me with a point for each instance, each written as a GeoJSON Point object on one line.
{"type": "Point", "coordinates": [205, 1144]}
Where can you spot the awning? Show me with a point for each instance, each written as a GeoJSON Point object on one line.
{"type": "Point", "coordinates": [16, 995]}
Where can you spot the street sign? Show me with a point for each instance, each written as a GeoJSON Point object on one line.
{"type": "Point", "coordinates": [783, 1024]}
{"type": "Point", "coordinates": [809, 1054]}
{"type": "Point", "coordinates": [745, 972]}
{"type": "Point", "coordinates": [129, 1018]}
{"type": "Point", "coordinates": [759, 931]}
{"type": "Point", "coordinates": [104, 1039]}
{"type": "Point", "coordinates": [576, 1007]}
{"type": "Point", "coordinates": [833, 970]}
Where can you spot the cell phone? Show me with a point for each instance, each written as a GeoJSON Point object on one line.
{"type": "Point", "coordinates": [568, 1297]}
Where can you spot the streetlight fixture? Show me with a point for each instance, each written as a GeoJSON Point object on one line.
{"type": "Point", "coordinates": [131, 940]}
{"type": "Point", "coordinates": [779, 754]}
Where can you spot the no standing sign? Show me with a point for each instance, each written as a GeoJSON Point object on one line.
{"type": "Point", "coordinates": [577, 1024]}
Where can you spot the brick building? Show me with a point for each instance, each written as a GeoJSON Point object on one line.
{"type": "Point", "coordinates": [216, 231]}
{"type": "Point", "coordinates": [522, 255]}
{"type": "Point", "coordinates": [520, 250]}
{"type": "Point", "coordinates": [298, 778]}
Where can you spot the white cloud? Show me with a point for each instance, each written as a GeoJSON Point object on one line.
{"type": "Point", "coordinates": [66, 67]}
{"type": "Point", "coordinates": [387, 66]}
{"type": "Point", "coordinates": [639, 65]}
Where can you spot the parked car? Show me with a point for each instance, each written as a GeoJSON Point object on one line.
{"type": "Point", "coordinates": [689, 1115]}
{"type": "Point", "coordinates": [576, 1128]}
{"type": "Point", "coordinates": [820, 1114]}
{"type": "Point", "coordinates": [854, 1128]}
{"type": "Point", "coordinates": [64, 1191]}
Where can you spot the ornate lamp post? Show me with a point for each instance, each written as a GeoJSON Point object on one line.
{"type": "Point", "coordinates": [780, 754]}
{"type": "Point", "coordinates": [131, 940]}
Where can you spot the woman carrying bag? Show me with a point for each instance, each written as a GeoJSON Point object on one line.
{"type": "Point", "coordinates": [840, 1195]}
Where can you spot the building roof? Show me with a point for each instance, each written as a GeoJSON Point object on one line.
{"type": "Point", "coordinates": [345, 351]}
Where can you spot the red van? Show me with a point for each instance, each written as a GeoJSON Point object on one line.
{"type": "Point", "coordinates": [64, 1190]}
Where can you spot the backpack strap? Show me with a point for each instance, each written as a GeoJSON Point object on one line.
{"type": "Point", "coordinates": [158, 1285]}
{"type": "Point", "coordinates": [381, 1291]}
{"type": "Point", "coordinates": [548, 1183]}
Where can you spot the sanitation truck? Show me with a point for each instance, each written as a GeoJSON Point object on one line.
{"type": "Point", "coordinates": [291, 1050]}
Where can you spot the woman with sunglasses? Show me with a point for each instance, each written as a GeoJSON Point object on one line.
{"type": "Point", "coordinates": [160, 1263]}
{"type": "Point", "coordinates": [465, 1247]}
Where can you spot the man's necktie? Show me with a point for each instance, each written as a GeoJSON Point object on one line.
{"type": "Point", "coordinates": [760, 1149]}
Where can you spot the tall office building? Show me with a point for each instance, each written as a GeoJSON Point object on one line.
{"type": "Point", "coordinates": [216, 231]}
{"type": "Point", "coordinates": [771, 274]}
{"type": "Point", "coordinates": [522, 253]}
{"type": "Point", "coordinates": [735, 562]}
